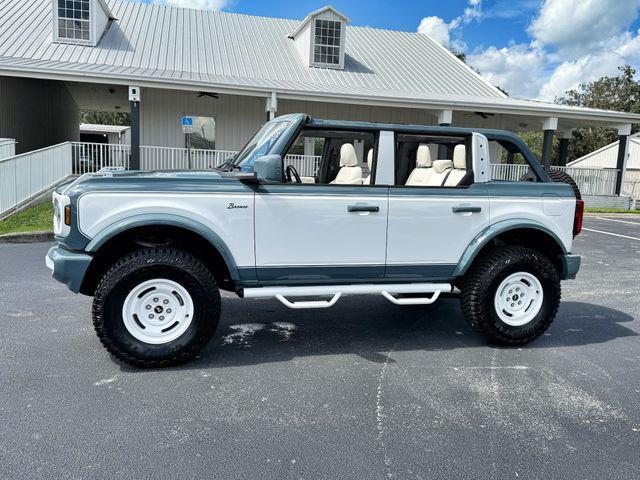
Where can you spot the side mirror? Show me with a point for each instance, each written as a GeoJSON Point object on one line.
{"type": "Point", "coordinates": [268, 167]}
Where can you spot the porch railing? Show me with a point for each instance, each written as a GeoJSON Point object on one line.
{"type": "Point", "coordinates": [26, 176]}
{"type": "Point", "coordinates": [591, 181]}
{"type": "Point", "coordinates": [91, 157]}
{"type": "Point", "coordinates": [7, 148]}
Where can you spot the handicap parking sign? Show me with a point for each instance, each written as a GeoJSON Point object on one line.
{"type": "Point", "coordinates": [187, 124]}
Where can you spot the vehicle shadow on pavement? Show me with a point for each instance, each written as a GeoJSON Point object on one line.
{"type": "Point", "coordinates": [264, 331]}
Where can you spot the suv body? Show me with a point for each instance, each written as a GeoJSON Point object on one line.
{"type": "Point", "coordinates": [251, 228]}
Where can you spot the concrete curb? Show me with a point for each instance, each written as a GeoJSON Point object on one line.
{"type": "Point", "coordinates": [27, 237]}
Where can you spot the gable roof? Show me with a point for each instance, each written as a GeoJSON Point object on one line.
{"type": "Point", "coordinates": [308, 18]}
{"type": "Point", "coordinates": [175, 44]}
{"type": "Point", "coordinates": [162, 46]}
{"type": "Point", "coordinates": [607, 156]}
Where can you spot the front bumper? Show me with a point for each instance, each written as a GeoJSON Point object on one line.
{"type": "Point", "coordinates": [68, 267]}
{"type": "Point", "coordinates": [570, 266]}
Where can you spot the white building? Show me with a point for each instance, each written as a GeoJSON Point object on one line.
{"type": "Point", "coordinates": [233, 71]}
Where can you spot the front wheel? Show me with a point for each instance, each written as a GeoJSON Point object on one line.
{"type": "Point", "coordinates": [156, 307]}
{"type": "Point", "coordinates": [511, 295]}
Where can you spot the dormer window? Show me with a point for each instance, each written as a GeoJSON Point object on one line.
{"type": "Point", "coordinates": [328, 36]}
{"type": "Point", "coordinates": [320, 38]}
{"type": "Point", "coordinates": [73, 20]}
{"type": "Point", "coordinates": [80, 21]}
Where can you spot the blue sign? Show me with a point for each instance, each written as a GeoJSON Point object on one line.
{"type": "Point", "coordinates": [187, 124]}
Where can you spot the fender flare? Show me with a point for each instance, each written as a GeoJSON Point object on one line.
{"type": "Point", "coordinates": [172, 220]}
{"type": "Point", "coordinates": [493, 231]}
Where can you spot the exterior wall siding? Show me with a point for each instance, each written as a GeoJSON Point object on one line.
{"type": "Point", "coordinates": [237, 117]}
{"type": "Point", "coordinates": [37, 113]}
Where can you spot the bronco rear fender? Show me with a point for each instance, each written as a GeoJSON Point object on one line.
{"type": "Point", "coordinates": [484, 237]}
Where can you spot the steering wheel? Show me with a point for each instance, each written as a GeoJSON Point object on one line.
{"type": "Point", "coordinates": [291, 172]}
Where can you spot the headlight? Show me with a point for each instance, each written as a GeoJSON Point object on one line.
{"type": "Point", "coordinates": [61, 214]}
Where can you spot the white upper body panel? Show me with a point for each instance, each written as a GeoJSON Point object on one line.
{"type": "Point", "coordinates": [233, 224]}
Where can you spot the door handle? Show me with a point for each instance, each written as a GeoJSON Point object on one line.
{"type": "Point", "coordinates": [363, 208]}
{"type": "Point", "coordinates": [465, 209]}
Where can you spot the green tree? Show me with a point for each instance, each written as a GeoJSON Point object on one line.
{"type": "Point", "coordinates": [105, 118]}
{"type": "Point", "coordinates": [620, 93]}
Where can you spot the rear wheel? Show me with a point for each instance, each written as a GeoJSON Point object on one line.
{"type": "Point", "coordinates": [156, 307]}
{"type": "Point", "coordinates": [511, 295]}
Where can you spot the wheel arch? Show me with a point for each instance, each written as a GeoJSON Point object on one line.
{"type": "Point", "coordinates": [514, 232]}
{"type": "Point", "coordinates": [144, 230]}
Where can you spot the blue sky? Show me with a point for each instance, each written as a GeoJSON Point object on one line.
{"type": "Point", "coordinates": [532, 48]}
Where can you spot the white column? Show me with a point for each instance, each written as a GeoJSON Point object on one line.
{"type": "Point", "coordinates": [271, 106]}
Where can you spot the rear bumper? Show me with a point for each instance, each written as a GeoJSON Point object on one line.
{"type": "Point", "coordinates": [570, 266]}
{"type": "Point", "coordinates": [68, 267]}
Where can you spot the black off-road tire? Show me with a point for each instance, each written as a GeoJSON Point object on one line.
{"type": "Point", "coordinates": [559, 176]}
{"type": "Point", "coordinates": [484, 278]}
{"type": "Point", "coordinates": [146, 264]}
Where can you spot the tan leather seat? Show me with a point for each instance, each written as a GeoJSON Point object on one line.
{"type": "Point", "coordinates": [441, 169]}
{"type": "Point", "coordinates": [459, 166]}
{"type": "Point", "coordinates": [421, 174]}
{"type": "Point", "coordinates": [367, 180]}
{"type": "Point", "coordinates": [350, 173]}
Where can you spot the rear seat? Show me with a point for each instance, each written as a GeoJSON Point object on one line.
{"type": "Point", "coordinates": [459, 166]}
{"type": "Point", "coordinates": [421, 174]}
{"type": "Point", "coordinates": [441, 169]}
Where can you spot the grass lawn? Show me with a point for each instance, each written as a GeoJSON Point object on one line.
{"type": "Point", "coordinates": [609, 210]}
{"type": "Point", "coordinates": [38, 217]}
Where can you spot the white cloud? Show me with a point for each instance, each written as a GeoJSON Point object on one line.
{"type": "Point", "coordinates": [574, 26]}
{"type": "Point", "coordinates": [519, 69]}
{"type": "Point", "coordinates": [441, 31]}
{"type": "Point", "coordinates": [603, 61]}
{"type": "Point", "coordinates": [436, 28]}
{"type": "Point", "coordinates": [199, 4]}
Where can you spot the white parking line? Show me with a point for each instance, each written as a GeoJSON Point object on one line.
{"type": "Point", "coordinates": [612, 234]}
{"type": "Point", "coordinates": [616, 220]}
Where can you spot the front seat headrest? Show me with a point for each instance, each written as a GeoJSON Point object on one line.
{"type": "Point", "coordinates": [348, 157]}
{"type": "Point", "coordinates": [440, 166]}
{"type": "Point", "coordinates": [370, 158]}
{"type": "Point", "coordinates": [460, 157]}
{"type": "Point", "coordinates": [423, 157]}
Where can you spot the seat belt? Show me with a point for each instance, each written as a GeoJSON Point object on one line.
{"type": "Point", "coordinates": [446, 176]}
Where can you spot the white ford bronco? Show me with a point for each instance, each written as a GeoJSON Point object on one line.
{"type": "Point", "coordinates": [406, 212]}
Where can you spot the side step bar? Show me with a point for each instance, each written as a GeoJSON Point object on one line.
{"type": "Point", "coordinates": [389, 291]}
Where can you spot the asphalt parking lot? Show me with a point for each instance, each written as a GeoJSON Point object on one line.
{"type": "Point", "coordinates": [364, 390]}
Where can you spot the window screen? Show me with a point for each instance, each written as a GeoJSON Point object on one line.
{"type": "Point", "coordinates": [204, 133]}
{"type": "Point", "coordinates": [327, 42]}
{"type": "Point", "coordinates": [73, 19]}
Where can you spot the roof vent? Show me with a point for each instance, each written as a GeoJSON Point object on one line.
{"type": "Point", "coordinates": [320, 38]}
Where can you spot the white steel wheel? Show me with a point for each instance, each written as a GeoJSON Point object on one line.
{"type": "Point", "coordinates": [518, 299]}
{"type": "Point", "coordinates": [157, 311]}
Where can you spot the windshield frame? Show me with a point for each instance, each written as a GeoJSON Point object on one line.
{"type": "Point", "coordinates": [264, 142]}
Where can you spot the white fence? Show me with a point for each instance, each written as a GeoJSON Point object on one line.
{"type": "Point", "coordinates": [25, 176]}
{"type": "Point", "coordinates": [7, 148]}
{"type": "Point", "coordinates": [632, 183]}
{"type": "Point", "coordinates": [591, 181]}
{"type": "Point", "coordinates": [91, 157]}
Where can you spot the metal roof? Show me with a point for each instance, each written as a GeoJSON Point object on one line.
{"type": "Point", "coordinates": [165, 46]}
{"type": "Point", "coordinates": [180, 43]}
{"type": "Point", "coordinates": [98, 128]}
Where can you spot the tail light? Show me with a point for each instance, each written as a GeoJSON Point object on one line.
{"type": "Point", "coordinates": [577, 219]}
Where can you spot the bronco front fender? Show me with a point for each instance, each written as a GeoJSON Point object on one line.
{"type": "Point", "coordinates": [172, 220]}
